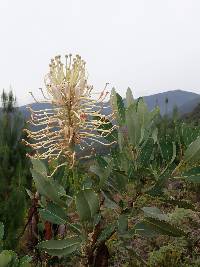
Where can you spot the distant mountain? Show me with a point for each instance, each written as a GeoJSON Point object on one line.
{"type": "Point", "coordinates": [184, 100]}
{"type": "Point", "coordinates": [189, 106]}
{"type": "Point", "coordinates": [35, 106]}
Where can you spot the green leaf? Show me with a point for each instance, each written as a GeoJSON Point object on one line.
{"type": "Point", "coordinates": [129, 97]}
{"type": "Point", "coordinates": [155, 135]}
{"type": "Point", "coordinates": [192, 153]}
{"type": "Point", "coordinates": [122, 224]}
{"type": "Point", "coordinates": [39, 166]}
{"type": "Point", "coordinates": [54, 214]}
{"type": "Point", "coordinates": [75, 228]}
{"type": "Point", "coordinates": [121, 140]}
{"type": "Point", "coordinates": [61, 247]}
{"type": "Point", "coordinates": [25, 261]}
{"type": "Point", "coordinates": [87, 204]}
{"type": "Point", "coordinates": [154, 212]}
{"type": "Point", "coordinates": [133, 126]}
{"type": "Point", "coordinates": [118, 107]}
{"type": "Point", "coordinates": [106, 233]}
{"type": "Point", "coordinates": [45, 186]}
{"type": "Point", "coordinates": [139, 122]}
{"type": "Point", "coordinates": [119, 181]}
{"type": "Point", "coordinates": [167, 148]}
{"type": "Point", "coordinates": [189, 134]}
{"type": "Point", "coordinates": [157, 188]}
{"type": "Point", "coordinates": [29, 193]}
{"type": "Point", "coordinates": [5, 258]}
{"type": "Point", "coordinates": [101, 171]}
{"type": "Point", "coordinates": [97, 219]}
{"type": "Point", "coordinates": [59, 188]}
{"type": "Point", "coordinates": [143, 113]}
{"type": "Point", "coordinates": [1, 230]}
{"type": "Point", "coordinates": [151, 227]}
{"type": "Point", "coordinates": [146, 153]}
{"type": "Point", "coordinates": [109, 202]}
{"type": "Point", "coordinates": [192, 175]}
{"type": "Point", "coordinates": [8, 258]}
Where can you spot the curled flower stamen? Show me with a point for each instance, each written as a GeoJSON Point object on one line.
{"type": "Point", "coordinates": [74, 118]}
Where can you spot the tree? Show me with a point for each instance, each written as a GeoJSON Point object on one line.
{"type": "Point", "coordinates": [14, 169]}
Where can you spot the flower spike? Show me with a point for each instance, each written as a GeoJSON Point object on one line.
{"type": "Point", "coordinates": [74, 118]}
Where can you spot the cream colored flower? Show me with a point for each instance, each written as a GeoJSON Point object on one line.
{"type": "Point", "coordinates": [74, 118]}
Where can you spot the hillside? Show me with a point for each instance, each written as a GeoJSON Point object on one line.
{"type": "Point", "coordinates": [189, 106]}
{"type": "Point", "coordinates": [193, 116]}
{"type": "Point", "coordinates": [184, 100]}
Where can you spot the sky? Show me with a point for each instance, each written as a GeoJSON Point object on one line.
{"type": "Point", "coordinates": [150, 46]}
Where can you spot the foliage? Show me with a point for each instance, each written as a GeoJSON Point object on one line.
{"type": "Point", "coordinates": [166, 256]}
{"type": "Point", "coordinates": [193, 117]}
{"type": "Point", "coordinates": [9, 258]}
{"type": "Point", "coordinates": [14, 170]}
{"type": "Point", "coordinates": [136, 204]}
{"type": "Point", "coordinates": [105, 201]}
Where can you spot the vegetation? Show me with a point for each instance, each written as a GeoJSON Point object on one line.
{"type": "Point", "coordinates": [194, 116]}
{"type": "Point", "coordinates": [136, 205]}
{"type": "Point", "coordinates": [14, 171]}
{"type": "Point", "coordinates": [9, 257]}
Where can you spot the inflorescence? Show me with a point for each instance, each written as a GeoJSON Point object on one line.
{"type": "Point", "coordinates": [73, 119]}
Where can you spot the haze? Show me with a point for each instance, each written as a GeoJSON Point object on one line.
{"type": "Point", "coordinates": [149, 45]}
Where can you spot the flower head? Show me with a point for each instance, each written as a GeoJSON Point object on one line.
{"type": "Point", "coordinates": [73, 119]}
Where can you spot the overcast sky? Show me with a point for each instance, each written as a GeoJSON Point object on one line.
{"type": "Point", "coordinates": [148, 45]}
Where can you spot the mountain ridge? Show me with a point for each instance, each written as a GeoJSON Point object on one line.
{"type": "Point", "coordinates": [185, 101]}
